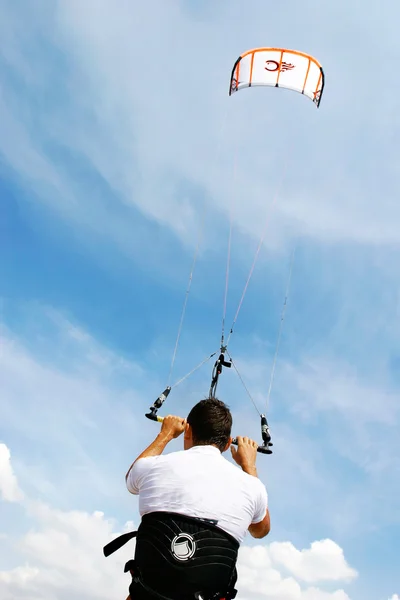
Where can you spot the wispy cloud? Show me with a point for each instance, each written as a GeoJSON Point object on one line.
{"type": "Point", "coordinates": [139, 126]}
{"type": "Point", "coordinates": [9, 488]}
{"type": "Point", "coordinates": [64, 395]}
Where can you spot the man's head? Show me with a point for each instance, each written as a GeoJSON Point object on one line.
{"type": "Point", "coordinates": [209, 423]}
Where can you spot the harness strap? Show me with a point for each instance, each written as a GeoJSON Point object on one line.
{"type": "Point", "coordinates": [118, 542]}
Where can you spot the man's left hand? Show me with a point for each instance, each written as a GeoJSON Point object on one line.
{"type": "Point", "coordinates": [173, 426]}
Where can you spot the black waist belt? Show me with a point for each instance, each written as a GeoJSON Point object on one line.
{"type": "Point", "coordinates": [179, 557]}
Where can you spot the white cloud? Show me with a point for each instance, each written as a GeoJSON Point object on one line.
{"type": "Point", "coordinates": [9, 489]}
{"type": "Point", "coordinates": [316, 594]}
{"type": "Point", "coordinates": [21, 583]}
{"type": "Point", "coordinates": [323, 561]}
{"type": "Point", "coordinates": [63, 559]}
{"type": "Point", "coordinates": [261, 579]}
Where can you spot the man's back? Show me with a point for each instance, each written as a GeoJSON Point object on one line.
{"type": "Point", "coordinates": [199, 482]}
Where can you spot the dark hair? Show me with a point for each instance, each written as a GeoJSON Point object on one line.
{"type": "Point", "coordinates": [211, 423]}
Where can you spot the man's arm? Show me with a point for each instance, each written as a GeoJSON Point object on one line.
{"type": "Point", "coordinates": [155, 449]}
{"type": "Point", "coordinates": [246, 456]}
{"type": "Point", "coordinates": [171, 428]}
{"type": "Point", "coordinates": [260, 530]}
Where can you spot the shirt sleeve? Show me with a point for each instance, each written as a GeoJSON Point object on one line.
{"type": "Point", "coordinates": [138, 473]}
{"type": "Point", "coordinates": [261, 503]}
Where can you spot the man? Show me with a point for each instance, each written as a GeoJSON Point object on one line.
{"type": "Point", "coordinates": [198, 483]}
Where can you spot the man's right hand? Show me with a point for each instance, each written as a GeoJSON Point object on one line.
{"type": "Point", "coordinates": [172, 426]}
{"type": "Point", "coordinates": [246, 454]}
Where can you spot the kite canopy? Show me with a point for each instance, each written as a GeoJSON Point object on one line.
{"type": "Point", "coordinates": [279, 67]}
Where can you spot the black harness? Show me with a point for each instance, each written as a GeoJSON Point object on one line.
{"type": "Point", "coordinates": [180, 558]}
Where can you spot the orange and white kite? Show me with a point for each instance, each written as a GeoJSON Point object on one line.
{"type": "Point", "coordinates": [279, 67]}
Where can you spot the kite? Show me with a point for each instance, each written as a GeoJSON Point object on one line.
{"type": "Point", "coordinates": [278, 67]}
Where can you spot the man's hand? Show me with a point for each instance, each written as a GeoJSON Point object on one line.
{"type": "Point", "coordinates": [172, 427]}
{"type": "Point", "coordinates": [246, 454]}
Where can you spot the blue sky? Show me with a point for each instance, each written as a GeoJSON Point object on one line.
{"type": "Point", "coordinates": [117, 138]}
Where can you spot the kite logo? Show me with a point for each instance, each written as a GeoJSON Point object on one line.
{"type": "Point", "coordinates": [183, 547]}
{"type": "Point", "coordinates": [273, 65]}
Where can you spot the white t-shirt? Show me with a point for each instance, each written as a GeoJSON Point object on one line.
{"type": "Point", "coordinates": [199, 482]}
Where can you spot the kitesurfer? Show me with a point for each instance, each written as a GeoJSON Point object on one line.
{"type": "Point", "coordinates": [195, 499]}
